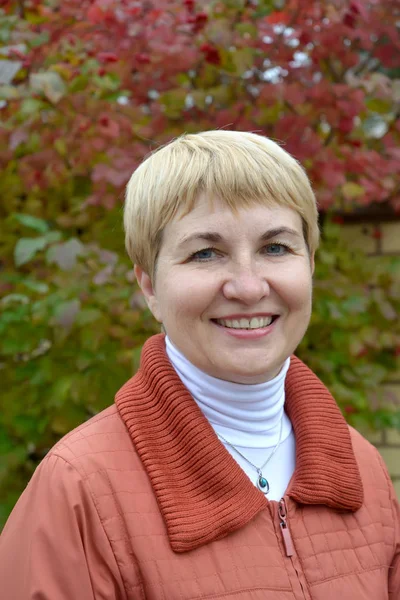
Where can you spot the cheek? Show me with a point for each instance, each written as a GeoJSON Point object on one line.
{"type": "Point", "coordinates": [192, 294]}
{"type": "Point", "coordinates": [180, 301]}
{"type": "Point", "coordinates": [297, 291]}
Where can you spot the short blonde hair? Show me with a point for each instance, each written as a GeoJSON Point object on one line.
{"type": "Point", "coordinates": [238, 168]}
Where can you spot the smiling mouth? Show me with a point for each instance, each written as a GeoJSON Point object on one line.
{"type": "Point", "coordinates": [253, 323]}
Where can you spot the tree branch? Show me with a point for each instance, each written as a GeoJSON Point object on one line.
{"type": "Point", "coordinates": [21, 9]}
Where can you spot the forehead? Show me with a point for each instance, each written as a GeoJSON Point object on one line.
{"type": "Point", "coordinates": [214, 214]}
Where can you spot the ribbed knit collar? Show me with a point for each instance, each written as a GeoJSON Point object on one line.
{"type": "Point", "coordinates": [202, 492]}
{"type": "Point", "coordinates": [247, 415]}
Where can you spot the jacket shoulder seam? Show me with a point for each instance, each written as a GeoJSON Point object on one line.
{"type": "Point", "coordinates": [86, 482]}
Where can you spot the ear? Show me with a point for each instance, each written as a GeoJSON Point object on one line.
{"type": "Point", "coordinates": [146, 286]}
{"type": "Point", "coordinates": [312, 263]}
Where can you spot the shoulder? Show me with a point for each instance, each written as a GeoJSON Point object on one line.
{"type": "Point", "coordinates": [92, 468]}
{"type": "Point", "coordinates": [378, 487]}
{"type": "Point", "coordinates": [367, 456]}
{"type": "Point", "coordinates": [100, 445]}
{"type": "Point", "coordinates": [365, 452]}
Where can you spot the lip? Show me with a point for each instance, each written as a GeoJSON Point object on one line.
{"type": "Point", "coordinates": [248, 334]}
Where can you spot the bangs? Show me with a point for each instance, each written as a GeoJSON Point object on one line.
{"type": "Point", "coordinates": [238, 175]}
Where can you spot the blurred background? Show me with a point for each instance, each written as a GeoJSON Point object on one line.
{"type": "Point", "coordinates": [87, 89]}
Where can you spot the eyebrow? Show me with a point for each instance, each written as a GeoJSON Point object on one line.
{"type": "Point", "coordinates": [215, 238]}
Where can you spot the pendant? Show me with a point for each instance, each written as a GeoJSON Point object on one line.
{"type": "Point", "coordinates": [262, 483]}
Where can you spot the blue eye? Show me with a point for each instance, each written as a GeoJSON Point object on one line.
{"type": "Point", "coordinates": [277, 249]}
{"type": "Point", "coordinates": [203, 255]}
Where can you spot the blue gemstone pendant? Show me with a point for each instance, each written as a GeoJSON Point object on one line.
{"type": "Point", "coordinates": [262, 484]}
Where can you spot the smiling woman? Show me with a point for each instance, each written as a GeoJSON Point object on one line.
{"type": "Point", "coordinates": [224, 468]}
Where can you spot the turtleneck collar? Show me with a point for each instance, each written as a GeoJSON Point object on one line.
{"type": "Point", "coordinates": [248, 415]}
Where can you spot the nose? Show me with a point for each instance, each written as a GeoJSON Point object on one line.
{"type": "Point", "coordinates": [246, 286]}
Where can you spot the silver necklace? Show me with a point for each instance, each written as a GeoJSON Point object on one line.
{"type": "Point", "coordinates": [262, 482]}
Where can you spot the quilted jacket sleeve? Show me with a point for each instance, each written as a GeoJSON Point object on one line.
{"type": "Point", "coordinates": [53, 546]}
{"type": "Point", "coordinates": [394, 570]}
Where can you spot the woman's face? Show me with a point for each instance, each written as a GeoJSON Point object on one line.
{"type": "Point", "coordinates": [233, 291]}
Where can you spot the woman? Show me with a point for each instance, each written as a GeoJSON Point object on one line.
{"type": "Point", "coordinates": [225, 468]}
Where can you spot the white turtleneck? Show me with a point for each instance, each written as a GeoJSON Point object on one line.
{"type": "Point", "coordinates": [248, 416]}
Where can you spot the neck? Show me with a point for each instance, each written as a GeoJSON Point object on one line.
{"type": "Point", "coordinates": [246, 415]}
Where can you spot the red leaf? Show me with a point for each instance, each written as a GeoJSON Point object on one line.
{"type": "Point", "coordinates": [198, 21]}
{"type": "Point", "coordinates": [211, 54]}
{"type": "Point", "coordinates": [387, 55]}
{"type": "Point", "coordinates": [108, 127]}
{"type": "Point", "coordinates": [362, 352]}
{"type": "Point", "coordinates": [305, 38]}
{"type": "Point", "coordinates": [277, 17]}
{"type": "Point", "coordinates": [134, 11]}
{"type": "Point", "coordinates": [107, 57]}
{"type": "Point", "coordinates": [345, 125]}
{"type": "Point", "coordinates": [349, 20]}
{"type": "Point", "coordinates": [142, 58]}
{"type": "Point", "coordinates": [95, 14]}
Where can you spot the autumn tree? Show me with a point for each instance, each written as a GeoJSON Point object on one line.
{"type": "Point", "coordinates": [87, 89]}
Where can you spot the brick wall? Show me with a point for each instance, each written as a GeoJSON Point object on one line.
{"type": "Point", "coordinates": [379, 240]}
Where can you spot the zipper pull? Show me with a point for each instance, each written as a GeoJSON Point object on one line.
{"type": "Point", "coordinates": [287, 538]}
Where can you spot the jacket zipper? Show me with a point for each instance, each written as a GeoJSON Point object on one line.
{"type": "Point", "coordinates": [286, 535]}
{"type": "Point", "coordinates": [287, 539]}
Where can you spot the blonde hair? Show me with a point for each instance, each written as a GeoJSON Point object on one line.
{"type": "Point", "coordinates": [236, 167]}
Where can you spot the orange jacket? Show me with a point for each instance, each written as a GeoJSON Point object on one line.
{"type": "Point", "coordinates": [144, 502]}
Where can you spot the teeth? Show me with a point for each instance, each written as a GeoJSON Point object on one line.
{"type": "Point", "coordinates": [253, 323]}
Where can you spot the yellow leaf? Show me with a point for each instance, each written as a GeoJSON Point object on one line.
{"type": "Point", "coordinates": [351, 190]}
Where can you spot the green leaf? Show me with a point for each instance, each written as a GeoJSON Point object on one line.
{"type": "Point", "coordinates": [243, 59]}
{"type": "Point", "coordinates": [87, 316]}
{"type": "Point", "coordinates": [53, 236]}
{"type": "Point", "coordinates": [8, 92]}
{"type": "Point", "coordinates": [108, 82]}
{"type": "Point", "coordinates": [26, 249]}
{"type": "Point", "coordinates": [247, 29]}
{"type": "Point", "coordinates": [262, 12]}
{"type": "Point", "coordinates": [20, 298]}
{"type": "Point", "coordinates": [40, 39]}
{"type": "Point", "coordinates": [240, 4]}
{"type": "Point", "coordinates": [36, 286]}
{"type": "Point", "coordinates": [60, 146]}
{"type": "Point", "coordinates": [174, 102]}
{"type": "Point", "coordinates": [79, 83]}
{"type": "Point", "coordinates": [31, 106]}
{"type": "Point", "coordinates": [66, 312]}
{"type": "Point", "coordinates": [50, 84]}
{"type": "Point", "coordinates": [30, 221]}
{"type": "Point", "coordinates": [65, 254]}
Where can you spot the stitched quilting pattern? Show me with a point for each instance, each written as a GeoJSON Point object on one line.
{"type": "Point", "coordinates": [334, 543]}
{"type": "Point", "coordinates": [250, 562]}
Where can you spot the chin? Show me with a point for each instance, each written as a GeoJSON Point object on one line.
{"type": "Point", "coordinates": [250, 375]}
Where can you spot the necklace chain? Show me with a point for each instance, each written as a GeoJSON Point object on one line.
{"type": "Point", "coordinates": [262, 482]}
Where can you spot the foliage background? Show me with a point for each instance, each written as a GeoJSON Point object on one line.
{"type": "Point", "coordinates": [87, 89]}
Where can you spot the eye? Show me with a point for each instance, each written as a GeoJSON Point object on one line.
{"type": "Point", "coordinates": [203, 255]}
{"type": "Point", "coordinates": [277, 249]}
